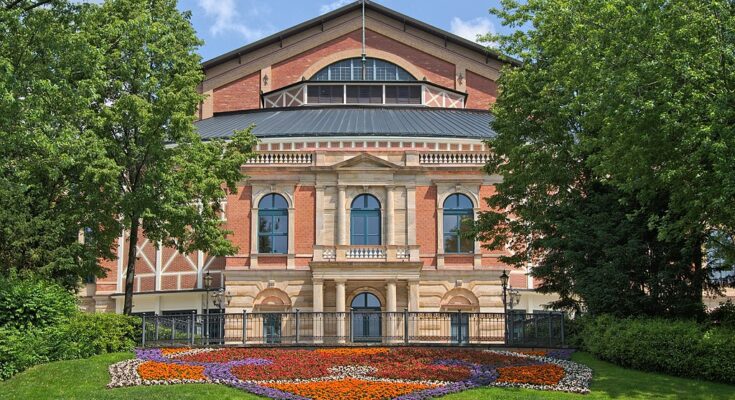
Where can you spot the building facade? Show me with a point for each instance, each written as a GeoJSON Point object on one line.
{"type": "Point", "coordinates": [369, 167]}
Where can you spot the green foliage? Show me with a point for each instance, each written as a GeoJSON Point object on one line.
{"type": "Point", "coordinates": [723, 315]}
{"type": "Point", "coordinates": [33, 303]}
{"type": "Point", "coordinates": [615, 140]}
{"type": "Point", "coordinates": [22, 349]}
{"type": "Point", "coordinates": [119, 149]}
{"type": "Point", "coordinates": [85, 335]}
{"type": "Point", "coordinates": [168, 182]}
{"type": "Point", "coordinates": [80, 336]}
{"type": "Point", "coordinates": [682, 348]}
{"type": "Point", "coordinates": [48, 78]}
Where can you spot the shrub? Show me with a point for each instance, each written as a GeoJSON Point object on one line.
{"type": "Point", "coordinates": [683, 348]}
{"type": "Point", "coordinates": [724, 315]}
{"type": "Point", "coordinates": [86, 335]}
{"type": "Point", "coordinates": [20, 350]}
{"type": "Point", "coordinates": [28, 303]}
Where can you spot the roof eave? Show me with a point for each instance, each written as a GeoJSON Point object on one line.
{"type": "Point", "coordinates": [279, 36]}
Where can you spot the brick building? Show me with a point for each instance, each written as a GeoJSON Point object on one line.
{"type": "Point", "coordinates": [366, 171]}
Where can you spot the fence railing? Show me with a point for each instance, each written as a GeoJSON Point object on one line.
{"type": "Point", "coordinates": [354, 327]}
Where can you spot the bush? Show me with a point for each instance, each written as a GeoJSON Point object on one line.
{"type": "Point", "coordinates": [81, 336]}
{"type": "Point", "coordinates": [86, 335]}
{"type": "Point", "coordinates": [683, 348]}
{"type": "Point", "coordinates": [40, 322]}
{"type": "Point", "coordinates": [20, 350]}
{"type": "Point", "coordinates": [724, 315]}
{"type": "Point", "coordinates": [32, 303]}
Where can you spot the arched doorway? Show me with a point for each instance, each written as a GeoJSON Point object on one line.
{"type": "Point", "coordinates": [366, 318]}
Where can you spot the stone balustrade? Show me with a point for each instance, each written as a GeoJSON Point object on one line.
{"type": "Point", "coordinates": [452, 158]}
{"type": "Point", "coordinates": [366, 253]}
{"type": "Point", "coordinates": [282, 158]}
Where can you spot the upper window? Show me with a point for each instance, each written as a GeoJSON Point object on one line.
{"type": "Point", "coordinates": [458, 217]}
{"type": "Point", "coordinates": [352, 70]}
{"type": "Point", "coordinates": [273, 224]}
{"type": "Point", "coordinates": [365, 220]}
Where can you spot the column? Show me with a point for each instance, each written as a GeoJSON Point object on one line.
{"type": "Point", "coordinates": [413, 296]}
{"type": "Point", "coordinates": [318, 308]}
{"type": "Point", "coordinates": [413, 306]}
{"type": "Point", "coordinates": [291, 258]}
{"type": "Point", "coordinates": [340, 308]}
{"type": "Point", "coordinates": [254, 237]}
{"type": "Point", "coordinates": [319, 215]}
{"type": "Point", "coordinates": [389, 216]}
{"type": "Point", "coordinates": [390, 306]}
{"type": "Point", "coordinates": [439, 236]}
{"type": "Point", "coordinates": [341, 217]}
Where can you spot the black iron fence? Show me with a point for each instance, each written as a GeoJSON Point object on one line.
{"type": "Point", "coordinates": [355, 327]}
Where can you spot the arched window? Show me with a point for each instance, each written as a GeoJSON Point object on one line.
{"type": "Point", "coordinates": [351, 70]}
{"type": "Point", "coordinates": [458, 216]}
{"type": "Point", "coordinates": [366, 300]}
{"type": "Point", "coordinates": [365, 220]}
{"type": "Point", "coordinates": [273, 224]}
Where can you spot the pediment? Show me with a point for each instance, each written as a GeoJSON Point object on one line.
{"type": "Point", "coordinates": [365, 162]}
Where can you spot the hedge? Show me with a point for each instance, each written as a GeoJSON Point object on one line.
{"type": "Point", "coordinates": [681, 348]}
{"type": "Point", "coordinates": [40, 322]}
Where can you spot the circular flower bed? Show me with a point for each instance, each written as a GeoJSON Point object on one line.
{"type": "Point", "coordinates": [406, 373]}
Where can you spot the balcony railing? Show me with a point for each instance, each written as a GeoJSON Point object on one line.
{"type": "Point", "coordinates": [391, 253]}
{"type": "Point", "coordinates": [353, 328]}
{"type": "Point", "coordinates": [299, 158]}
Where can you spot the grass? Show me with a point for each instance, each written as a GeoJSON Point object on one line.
{"type": "Point", "coordinates": [86, 379]}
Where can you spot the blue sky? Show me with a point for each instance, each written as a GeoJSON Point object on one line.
{"type": "Point", "coordinates": [228, 24]}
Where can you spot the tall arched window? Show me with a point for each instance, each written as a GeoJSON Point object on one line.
{"type": "Point", "coordinates": [351, 70]}
{"type": "Point", "coordinates": [458, 216]}
{"type": "Point", "coordinates": [365, 220]}
{"type": "Point", "coordinates": [273, 224]}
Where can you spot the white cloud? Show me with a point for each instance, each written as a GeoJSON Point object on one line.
{"type": "Point", "coordinates": [325, 8]}
{"type": "Point", "coordinates": [227, 19]}
{"type": "Point", "coordinates": [470, 29]}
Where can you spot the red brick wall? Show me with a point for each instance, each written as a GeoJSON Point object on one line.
{"type": "Point", "coordinates": [481, 91]}
{"type": "Point", "coordinates": [426, 221]}
{"type": "Point", "coordinates": [238, 218]}
{"type": "Point", "coordinates": [305, 235]}
{"type": "Point", "coordinates": [292, 69]}
{"type": "Point", "coordinates": [242, 94]}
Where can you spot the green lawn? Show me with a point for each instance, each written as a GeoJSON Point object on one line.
{"type": "Point", "coordinates": [86, 379]}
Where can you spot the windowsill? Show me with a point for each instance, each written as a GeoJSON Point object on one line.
{"type": "Point", "coordinates": [259, 255]}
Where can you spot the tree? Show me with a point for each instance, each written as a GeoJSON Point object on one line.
{"type": "Point", "coordinates": [168, 184]}
{"type": "Point", "coordinates": [621, 111]}
{"type": "Point", "coordinates": [48, 78]}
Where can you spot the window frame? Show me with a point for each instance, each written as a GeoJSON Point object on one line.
{"type": "Point", "coordinates": [459, 214]}
{"type": "Point", "coordinates": [377, 70]}
{"type": "Point", "coordinates": [365, 213]}
{"type": "Point", "coordinates": [271, 213]}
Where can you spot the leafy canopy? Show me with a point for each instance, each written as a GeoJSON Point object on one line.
{"type": "Point", "coordinates": [615, 140]}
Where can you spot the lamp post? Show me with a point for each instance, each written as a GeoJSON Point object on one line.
{"type": "Point", "coordinates": [207, 286]}
{"type": "Point", "coordinates": [504, 282]}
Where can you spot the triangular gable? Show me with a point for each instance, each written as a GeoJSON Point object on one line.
{"type": "Point", "coordinates": [365, 161]}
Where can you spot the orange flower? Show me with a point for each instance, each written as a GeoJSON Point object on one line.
{"type": "Point", "coordinates": [546, 374]}
{"type": "Point", "coordinates": [159, 371]}
{"type": "Point", "coordinates": [353, 351]}
{"type": "Point", "coordinates": [534, 353]}
{"type": "Point", "coordinates": [174, 350]}
{"type": "Point", "coordinates": [349, 389]}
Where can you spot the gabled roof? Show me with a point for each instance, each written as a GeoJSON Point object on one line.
{"type": "Point", "coordinates": [358, 121]}
{"type": "Point", "coordinates": [369, 5]}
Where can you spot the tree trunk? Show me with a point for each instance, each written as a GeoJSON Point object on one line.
{"type": "Point", "coordinates": [130, 274]}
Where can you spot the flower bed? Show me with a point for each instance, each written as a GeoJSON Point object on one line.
{"type": "Point", "coordinates": [406, 373]}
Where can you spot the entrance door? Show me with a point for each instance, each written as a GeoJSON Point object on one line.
{"type": "Point", "coordinates": [460, 328]}
{"type": "Point", "coordinates": [272, 328]}
{"type": "Point", "coordinates": [366, 318]}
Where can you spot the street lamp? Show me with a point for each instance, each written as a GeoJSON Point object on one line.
{"type": "Point", "coordinates": [221, 299]}
{"type": "Point", "coordinates": [207, 286]}
{"type": "Point", "coordinates": [504, 282]}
